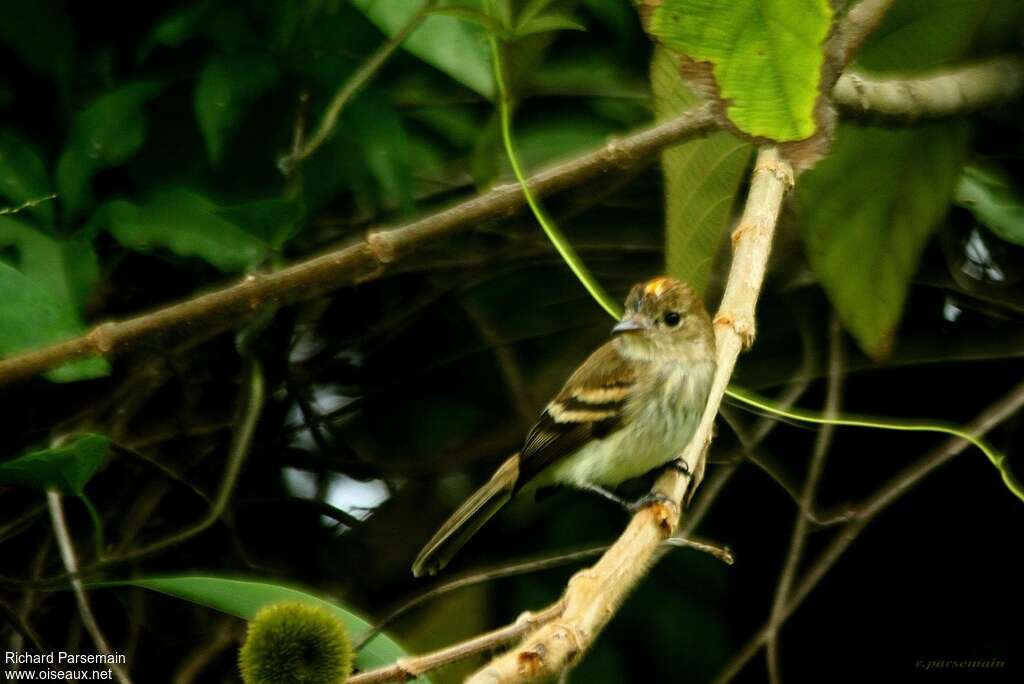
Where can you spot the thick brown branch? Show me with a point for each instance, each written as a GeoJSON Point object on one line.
{"type": "Point", "coordinates": [594, 595]}
{"type": "Point", "coordinates": [366, 259]}
{"type": "Point", "coordinates": [950, 91]}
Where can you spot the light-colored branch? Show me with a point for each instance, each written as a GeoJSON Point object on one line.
{"type": "Point", "coordinates": [407, 668]}
{"type": "Point", "coordinates": [595, 594]}
{"type": "Point", "coordinates": [950, 91]}
{"type": "Point", "coordinates": [807, 498]}
{"type": "Point", "coordinates": [910, 476]}
{"type": "Point", "coordinates": [67, 554]}
{"type": "Point", "coordinates": [367, 259]}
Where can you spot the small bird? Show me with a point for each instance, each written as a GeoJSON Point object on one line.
{"type": "Point", "coordinates": [628, 409]}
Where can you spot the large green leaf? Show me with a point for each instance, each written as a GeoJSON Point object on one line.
{"type": "Point", "coordinates": [766, 56]}
{"type": "Point", "coordinates": [274, 221]}
{"type": "Point", "coordinates": [186, 223]}
{"type": "Point", "coordinates": [227, 84]}
{"type": "Point", "coordinates": [244, 598]}
{"type": "Point", "coordinates": [866, 212]}
{"type": "Point", "coordinates": [23, 176]}
{"type": "Point", "coordinates": [373, 126]}
{"type": "Point", "coordinates": [991, 197]}
{"type": "Point", "coordinates": [871, 207]}
{"type": "Point", "coordinates": [44, 285]}
{"type": "Point", "coordinates": [66, 468]}
{"type": "Point", "coordinates": [107, 132]}
{"type": "Point", "coordinates": [921, 34]}
{"type": "Point", "coordinates": [456, 47]}
{"type": "Point", "coordinates": [40, 33]}
{"type": "Point", "coordinates": [702, 178]}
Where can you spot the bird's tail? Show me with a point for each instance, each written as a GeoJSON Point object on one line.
{"type": "Point", "coordinates": [467, 519]}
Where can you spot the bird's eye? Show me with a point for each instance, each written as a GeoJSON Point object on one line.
{"type": "Point", "coordinates": [672, 319]}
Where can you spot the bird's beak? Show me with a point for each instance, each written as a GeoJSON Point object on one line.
{"type": "Point", "coordinates": [630, 324]}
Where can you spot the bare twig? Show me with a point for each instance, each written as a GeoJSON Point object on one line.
{"type": "Point", "coordinates": [251, 411]}
{"type": "Point", "coordinates": [27, 204]}
{"type": "Point", "coordinates": [67, 554]}
{"type": "Point", "coordinates": [415, 666]}
{"type": "Point", "coordinates": [950, 91]}
{"type": "Point", "coordinates": [907, 478]}
{"type": "Point", "coordinates": [594, 595]}
{"type": "Point", "coordinates": [366, 259]}
{"type": "Point", "coordinates": [807, 499]}
{"type": "Point", "coordinates": [225, 636]}
{"type": "Point", "coordinates": [363, 75]}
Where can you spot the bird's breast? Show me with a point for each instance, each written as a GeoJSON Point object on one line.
{"type": "Point", "coordinates": [660, 419]}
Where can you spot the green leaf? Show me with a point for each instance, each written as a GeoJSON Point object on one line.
{"type": "Point", "coordinates": [66, 468]}
{"type": "Point", "coordinates": [43, 291]}
{"type": "Point", "coordinates": [227, 84]}
{"type": "Point", "coordinates": [457, 48]}
{"type": "Point", "coordinates": [766, 56]}
{"type": "Point", "coordinates": [866, 219]}
{"type": "Point", "coordinates": [920, 34]}
{"type": "Point", "coordinates": [702, 178]}
{"type": "Point", "coordinates": [244, 598]}
{"type": "Point", "coordinates": [273, 221]}
{"type": "Point", "coordinates": [549, 22]}
{"type": "Point", "coordinates": [186, 223]}
{"type": "Point", "coordinates": [106, 133]}
{"type": "Point", "coordinates": [990, 196]}
{"type": "Point", "coordinates": [481, 19]}
{"type": "Point", "coordinates": [23, 176]}
{"type": "Point", "coordinates": [373, 126]}
{"type": "Point", "coordinates": [41, 35]}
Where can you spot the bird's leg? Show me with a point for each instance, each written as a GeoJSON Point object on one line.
{"type": "Point", "coordinates": [604, 493]}
{"type": "Point", "coordinates": [629, 506]}
{"type": "Point", "coordinates": [657, 497]}
{"type": "Point", "coordinates": [649, 499]}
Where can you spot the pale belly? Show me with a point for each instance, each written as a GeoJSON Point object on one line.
{"type": "Point", "coordinates": [621, 456]}
{"type": "Point", "coordinates": [655, 436]}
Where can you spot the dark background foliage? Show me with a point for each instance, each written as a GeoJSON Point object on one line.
{"type": "Point", "coordinates": [161, 125]}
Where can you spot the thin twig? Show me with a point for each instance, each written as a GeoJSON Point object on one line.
{"type": "Point", "coordinates": [807, 498]}
{"type": "Point", "coordinates": [415, 666]}
{"type": "Point", "coordinates": [363, 75]}
{"type": "Point", "coordinates": [367, 259]}
{"type": "Point", "coordinates": [27, 204]}
{"type": "Point", "coordinates": [225, 636]}
{"type": "Point", "coordinates": [907, 478]}
{"type": "Point", "coordinates": [67, 554]}
{"type": "Point", "coordinates": [475, 577]}
{"type": "Point", "coordinates": [240, 445]}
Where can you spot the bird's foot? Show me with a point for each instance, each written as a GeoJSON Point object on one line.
{"type": "Point", "coordinates": [682, 466]}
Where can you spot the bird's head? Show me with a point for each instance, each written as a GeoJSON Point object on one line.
{"type": "Point", "coordinates": [664, 319]}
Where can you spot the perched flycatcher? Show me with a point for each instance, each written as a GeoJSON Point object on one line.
{"type": "Point", "coordinates": [630, 408]}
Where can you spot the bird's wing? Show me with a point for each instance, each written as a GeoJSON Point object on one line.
{"type": "Point", "coordinates": [591, 405]}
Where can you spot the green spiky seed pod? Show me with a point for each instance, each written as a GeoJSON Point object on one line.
{"type": "Point", "coordinates": [295, 643]}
